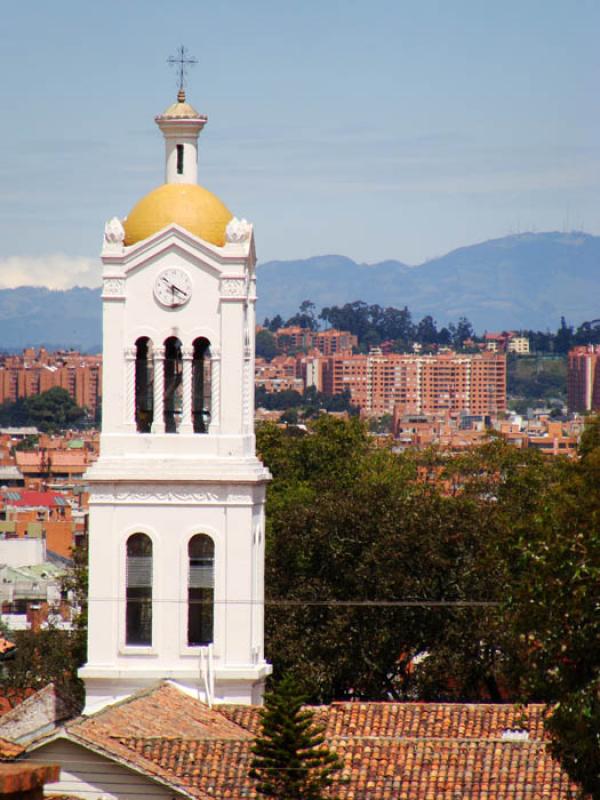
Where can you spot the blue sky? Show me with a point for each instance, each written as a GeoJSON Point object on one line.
{"type": "Point", "coordinates": [373, 129]}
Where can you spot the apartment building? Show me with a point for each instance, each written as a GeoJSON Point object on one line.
{"type": "Point", "coordinates": [420, 384]}
{"type": "Point", "coordinates": [36, 371]}
{"type": "Point", "coordinates": [278, 375]}
{"type": "Point", "coordinates": [326, 342]}
{"type": "Point", "coordinates": [583, 378]}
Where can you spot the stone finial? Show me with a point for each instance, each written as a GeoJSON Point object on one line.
{"type": "Point", "coordinates": [114, 232]}
{"type": "Point", "coordinates": [238, 230]}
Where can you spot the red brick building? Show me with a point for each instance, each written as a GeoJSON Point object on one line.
{"type": "Point", "coordinates": [326, 342]}
{"type": "Point", "coordinates": [420, 384]}
{"type": "Point", "coordinates": [36, 371]}
{"type": "Point", "coordinates": [583, 378]}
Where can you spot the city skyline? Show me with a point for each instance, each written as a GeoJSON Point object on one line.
{"type": "Point", "coordinates": [395, 131]}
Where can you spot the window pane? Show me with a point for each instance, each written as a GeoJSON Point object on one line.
{"type": "Point", "coordinates": [201, 580]}
{"type": "Point", "coordinates": [138, 615]}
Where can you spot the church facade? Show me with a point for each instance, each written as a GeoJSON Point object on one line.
{"type": "Point", "coordinates": [176, 540]}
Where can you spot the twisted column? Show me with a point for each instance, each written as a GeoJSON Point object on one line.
{"type": "Point", "coordinates": [158, 423]}
{"type": "Point", "coordinates": [246, 390]}
{"type": "Point", "coordinates": [187, 423]}
{"type": "Point", "coordinates": [215, 390]}
{"type": "Point", "coordinates": [130, 356]}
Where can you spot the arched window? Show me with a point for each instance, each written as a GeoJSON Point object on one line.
{"type": "Point", "coordinates": [201, 391]}
{"type": "Point", "coordinates": [201, 590]}
{"type": "Point", "coordinates": [138, 622]}
{"type": "Point", "coordinates": [144, 379]}
{"type": "Point", "coordinates": [173, 377]}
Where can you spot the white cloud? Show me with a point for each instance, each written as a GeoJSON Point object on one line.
{"type": "Point", "coordinates": [56, 271]}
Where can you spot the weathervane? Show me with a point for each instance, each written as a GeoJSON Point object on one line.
{"type": "Point", "coordinates": [182, 61]}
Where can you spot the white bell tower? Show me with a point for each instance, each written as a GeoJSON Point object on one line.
{"type": "Point", "coordinates": [177, 495]}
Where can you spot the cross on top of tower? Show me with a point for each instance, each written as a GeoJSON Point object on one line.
{"type": "Point", "coordinates": [182, 61]}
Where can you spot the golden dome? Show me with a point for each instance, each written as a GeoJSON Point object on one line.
{"type": "Point", "coordinates": [186, 204]}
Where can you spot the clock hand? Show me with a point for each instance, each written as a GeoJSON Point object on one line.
{"type": "Point", "coordinates": [178, 290]}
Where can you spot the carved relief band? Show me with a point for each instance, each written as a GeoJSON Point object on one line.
{"type": "Point", "coordinates": [234, 288]}
{"type": "Point", "coordinates": [114, 288]}
{"type": "Point", "coordinates": [157, 494]}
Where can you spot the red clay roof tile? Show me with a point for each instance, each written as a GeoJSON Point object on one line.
{"type": "Point", "coordinates": [390, 751]}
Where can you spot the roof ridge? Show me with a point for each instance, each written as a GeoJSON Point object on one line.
{"type": "Point", "coordinates": [248, 736]}
{"type": "Point", "coordinates": [427, 703]}
{"type": "Point", "coordinates": [476, 740]}
{"type": "Point", "coordinates": [147, 690]}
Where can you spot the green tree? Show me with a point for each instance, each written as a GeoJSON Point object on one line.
{"type": "Point", "coordinates": [305, 317]}
{"type": "Point", "coordinates": [350, 527]}
{"type": "Point", "coordinates": [290, 758]}
{"type": "Point", "coordinates": [427, 332]}
{"type": "Point", "coordinates": [266, 346]}
{"type": "Point", "coordinates": [53, 410]}
{"type": "Point", "coordinates": [42, 657]}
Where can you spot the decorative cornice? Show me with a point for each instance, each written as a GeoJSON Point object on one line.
{"type": "Point", "coordinates": [157, 494]}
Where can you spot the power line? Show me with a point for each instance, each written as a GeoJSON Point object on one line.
{"type": "Point", "coordinates": [281, 603]}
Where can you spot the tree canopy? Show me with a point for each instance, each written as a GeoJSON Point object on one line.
{"type": "Point", "coordinates": [49, 411]}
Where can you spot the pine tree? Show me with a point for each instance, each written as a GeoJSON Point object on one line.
{"type": "Point", "coordinates": [291, 760]}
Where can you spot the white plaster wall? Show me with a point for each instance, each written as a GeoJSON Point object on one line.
{"type": "Point", "coordinates": [170, 528]}
{"type": "Point", "coordinates": [190, 159]}
{"type": "Point", "coordinates": [22, 552]}
{"type": "Point", "coordinates": [236, 525]}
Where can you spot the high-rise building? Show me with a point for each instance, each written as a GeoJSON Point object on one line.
{"type": "Point", "coordinates": [583, 378]}
{"type": "Point", "coordinates": [419, 384]}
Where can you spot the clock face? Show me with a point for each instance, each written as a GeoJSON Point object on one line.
{"type": "Point", "coordinates": [173, 287]}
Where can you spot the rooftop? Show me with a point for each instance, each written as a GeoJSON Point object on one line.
{"type": "Point", "coordinates": [389, 750]}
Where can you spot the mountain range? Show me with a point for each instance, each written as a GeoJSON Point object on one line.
{"type": "Point", "coordinates": [525, 281]}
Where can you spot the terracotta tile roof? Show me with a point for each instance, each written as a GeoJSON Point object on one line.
{"type": "Point", "coordinates": [404, 751]}
{"type": "Point", "coordinates": [9, 750]}
{"type": "Point", "coordinates": [155, 712]}
{"type": "Point", "coordinates": [451, 720]}
{"type": "Point", "coordinates": [402, 769]}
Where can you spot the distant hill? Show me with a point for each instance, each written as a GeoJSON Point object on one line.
{"type": "Point", "coordinates": [528, 280]}
{"type": "Point", "coordinates": [33, 315]}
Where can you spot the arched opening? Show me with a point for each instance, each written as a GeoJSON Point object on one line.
{"type": "Point", "coordinates": [201, 590]}
{"type": "Point", "coordinates": [138, 615]}
{"type": "Point", "coordinates": [173, 388]}
{"type": "Point", "coordinates": [144, 381]}
{"type": "Point", "coordinates": [201, 388]}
